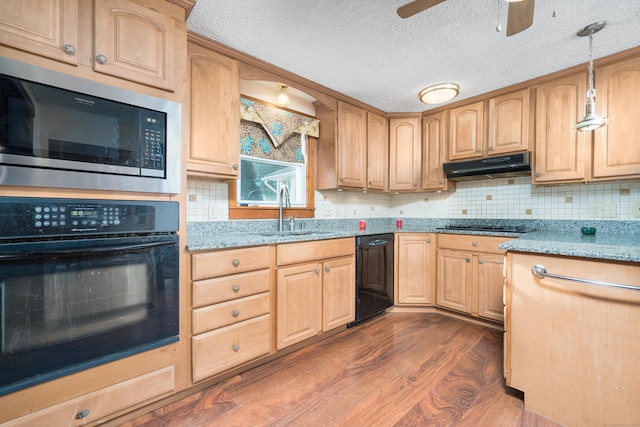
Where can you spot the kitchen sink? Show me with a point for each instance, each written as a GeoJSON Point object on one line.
{"type": "Point", "coordinates": [292, 233]}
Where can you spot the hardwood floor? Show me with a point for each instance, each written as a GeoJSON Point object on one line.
{"type": "Point", "coordinates": [399, 369]}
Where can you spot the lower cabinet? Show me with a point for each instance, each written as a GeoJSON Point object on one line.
{"type": "Point", "coordinates": [470, 275]}
{"type": "Point", "coordinates": [92, 408]}
{"type": "Point", "coordinates": [415, 269]}
{"type": "Point", "coordinates": [315, 288]}
{"type": "Point", "coordinates": [231, 309]}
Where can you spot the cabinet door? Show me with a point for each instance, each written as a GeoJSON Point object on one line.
{"type": "Point", "coordinates": [44, 27]}
{"type": "Point", "coordinates": [134, 43]}
{"type": "Point", "coordinates": [338, 293]}
{"type": "Point", "coordinates": [561, 152]}
{"type": "Point", "coordinates": [434, 153]}
{"type": "Point", "coordinates": [299, 298]}
{"type": "Point", "coordinates": [416, 269]}
{"type": "Point", "coordinates": [352, 146]}
{"type": "Point", "coordinates": [509, 123]}
{"type": "Point", "coordinates": [614, 154]}
{"type": "Point", "coordinates": [405, 144]}
{"type": "Point", "coordinates": [377, 152]}
{"type": "Point", "coordinates": [214, 142]}
{"type": "Point", "coordinates": [466, 131]}
{"type": "Point", "coordinates": [455, 280]}
{"type": "Point", "coordinates": [490, 286]}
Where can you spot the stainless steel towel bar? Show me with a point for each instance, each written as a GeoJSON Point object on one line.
{"type": "Point", "coordinates": [541, 272]}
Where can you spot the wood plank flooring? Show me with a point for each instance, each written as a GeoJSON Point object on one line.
{"type": "Point", "coordinates": [398, 369]}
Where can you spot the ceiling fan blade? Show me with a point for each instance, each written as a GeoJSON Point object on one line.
{"type": "Point", "coordinates": [520, 16]}
{"type": "Point", "coordinates": [416, 6]}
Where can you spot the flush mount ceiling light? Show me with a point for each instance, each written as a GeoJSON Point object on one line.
{"type": "Point", "coordinates": [591, 121]}
{"type": "Point", "coordinates": [283, 96]}
{"type": "Point", "coordinates": [439, 93]}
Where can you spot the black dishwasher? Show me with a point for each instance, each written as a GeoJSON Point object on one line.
{"type": "Point", "coordinates": [374, 275]}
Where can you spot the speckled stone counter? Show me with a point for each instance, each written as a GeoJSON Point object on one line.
{"type": "Point", "coordinates": [615, 240]}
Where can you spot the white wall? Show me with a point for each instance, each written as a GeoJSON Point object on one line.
{"type": "Point", "coordinates": [501, 198]}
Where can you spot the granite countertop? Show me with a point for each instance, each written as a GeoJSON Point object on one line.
{"type": "Point", "coordinates": [614, 240]}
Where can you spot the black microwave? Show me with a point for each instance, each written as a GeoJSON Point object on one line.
{"type": "Point", "coordinates": [58, 130]}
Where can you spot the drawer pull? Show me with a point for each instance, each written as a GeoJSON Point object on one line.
{"type": "Point", "coordinates": [236, 289]}
{"type": "Point", "coordinates": [474, 244]}
{"type": "Point", "coordinates": [82, 414]}
{"type": "Point", "coordinates": [236, 347]}
{"type": "Point", "coordinates": [235, 313]}
{"type": "Point", "coordinates": [541, 272]}
{"type": "Point", "coordinates": [236, 262]}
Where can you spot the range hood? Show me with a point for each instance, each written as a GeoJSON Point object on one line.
{"type": "Point", "coordinates": [490, 167]}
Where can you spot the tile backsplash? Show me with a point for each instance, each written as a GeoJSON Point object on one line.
{"type": "Point", "coordinates": [513, 198]}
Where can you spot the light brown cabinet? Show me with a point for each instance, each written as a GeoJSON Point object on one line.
{"type": "Point", "coordinates": [405, 145]}
{"type": "Point", "coordinates": [466, 131]}
{"type": "Point", "coordinates": [415, 270]}
{"type": "Point", "coordinates": [510, 123]}
{"type": "Point", "coordinates": [231, 309]}
{"type": "Point", "coordinates": [434, 153]}
{"type": "Point", "coordinates": [470, 275]}
{"type": "Point", "coordinates": [352, 146]}
{"type": "Point", "coordinates": [561, 153]}
{"type": "Point", "coordinates": [571, 347]}
{"type": "Point", "coordinates": [214, 113]}
{"type": "Point", "coordinates": [377, 152]}
{"type": "Point", "coordinates": [615, 155]}
{"type": "Point", "coordinates": [315, 288]}
{"type": "Point", "coordinates": [130, 41]}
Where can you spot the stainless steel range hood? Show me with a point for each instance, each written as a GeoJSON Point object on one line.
{"type": "Point", "coordinates": [490, 167]}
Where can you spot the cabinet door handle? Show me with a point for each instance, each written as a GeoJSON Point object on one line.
{"type": "Point", "coordinates": [101, 59]}
{"type": "Point", "coordinates": [428, 240]}
{"type": "Point", "coordinates": [341, 179]}
{"type": "Point", "coordinates": [83, 414]}
{"type": "Point", "coordinates": [480, 261]}
{"type": "Point", "coordinates": [234, 167]}
{"type": "Point", "coordinates": [490, 148]}
{"type": "Point", "coordinates": [317, 271]}
{"type": "Point", "coordinates": [327, 269]}
{"type": "Point", "coordinates": [236, 262]}
{"type": "Point", "coordinates": [235, 313]}
{"type": "Point", "coordinates": [69, 49]}
{"type": "Point", "coordinates": [541, 272]}
{"type": "Point", "coordinates": [538, 174]}
{"type": "Point", "coordinates": [236, 347]}
{"type": "Point", "coordinates": [468, 259]}
{"type": "Point", "coordinates": [236, 289]}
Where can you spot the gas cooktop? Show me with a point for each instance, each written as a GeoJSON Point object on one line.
{"type": "Point", "coordinates": [483, 227]}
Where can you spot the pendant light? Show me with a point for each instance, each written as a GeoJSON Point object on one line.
{"type": "Point", "coordinates": [591, 121]}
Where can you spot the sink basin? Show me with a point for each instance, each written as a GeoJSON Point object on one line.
{"type": "Point", "coordinates": [292, 233]}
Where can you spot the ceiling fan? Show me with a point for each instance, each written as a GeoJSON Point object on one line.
{"type": "Point", "coordinates": [520, 13]}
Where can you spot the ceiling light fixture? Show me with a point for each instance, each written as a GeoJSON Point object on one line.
{"type": "Point", "coordinates": [439, 93]}
{"type": "Point", "coordinates": [283, 96]}
{"type": "Point", "coordinates": [591, 121]}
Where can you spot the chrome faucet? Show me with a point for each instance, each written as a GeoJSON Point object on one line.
{"type": "Point", "coordinates": [283, 198]}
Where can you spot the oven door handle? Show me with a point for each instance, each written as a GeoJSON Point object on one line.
{"type": "Point", "coordinates": [96, 250]}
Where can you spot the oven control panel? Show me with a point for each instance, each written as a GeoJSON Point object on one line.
{"type": "Point", "coordinates": [28, 217]}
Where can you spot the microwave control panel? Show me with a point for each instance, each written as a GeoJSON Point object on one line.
{"type": "Point", "coordinates": [153, 137]}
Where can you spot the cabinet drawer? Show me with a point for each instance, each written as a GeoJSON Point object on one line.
{"type": "Point", "coordinates": [222, 263]}
{"type": "Point", "coordinates": [94, 407]}
{"type": "Point", "coordinates": [213, 291]}
{"type": "Point", "coordinates": [231, 346]}
{"type": "Point", "coordinates": [294, 253]}
{"type": "Point", "coordinates": [226, 313]}
{"type": "Point", "coordinates": [468, 242]}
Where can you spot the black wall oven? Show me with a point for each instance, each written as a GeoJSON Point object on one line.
{"type": "Point", "coordinates": [82, 283]}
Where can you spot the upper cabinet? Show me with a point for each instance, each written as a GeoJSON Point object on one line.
{"type": "Point", "coordinates": [130, 41]}
{"type": "Point", "coordinates": [134, 43]}
{"type": "Point", "coordinates": [377, 152]}
{"type": "Point", "coordinates": [466, 131]}
{"type": "Point", "coordinates": [509, 123]}
{"type": "Point", "coordinates": [405, 145]}
{"type": "Point", "coordinates": [214, 113]}
{"type": "Point", "coordinates": [45, 27]}
{"type": "Point", "coordinates": [434, 153]}
{"type": "Point", "coordinates": [352, 149]}
{"type": "Point", "coordinates": [352, 146]}
{"type": "Point", "coordinates": [615, 155]}
{"type": "Point", "coordinates": [560, 151]}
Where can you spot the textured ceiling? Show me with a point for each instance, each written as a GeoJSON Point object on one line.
{"type": "Point", "coordinates": [363, 49]}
